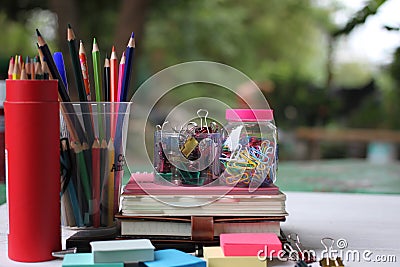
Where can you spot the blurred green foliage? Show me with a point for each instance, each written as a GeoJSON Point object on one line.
{"type": "Point", "coordinates": [280, 43]}
{"type": "Point", "coordinates": [277, 39]}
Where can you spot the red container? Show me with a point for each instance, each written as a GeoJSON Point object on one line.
{"type": "Point", "coordinates": [32, 142]}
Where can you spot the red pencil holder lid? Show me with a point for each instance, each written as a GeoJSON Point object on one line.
{"type": "Point", "coordinates": [31, 90]}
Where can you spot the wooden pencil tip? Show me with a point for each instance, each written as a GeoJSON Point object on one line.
{"type": "Point", "coordinates": [69, 26]}
{"type": "Point", "coordinates": [113, 49]}
{"type": "Point", "coordinates": [38, 33]}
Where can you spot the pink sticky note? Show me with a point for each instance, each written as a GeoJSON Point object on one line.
{"type": "Point", "coordinates": [250, 244]}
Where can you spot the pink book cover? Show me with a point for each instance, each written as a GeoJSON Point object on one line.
{"type": "Point", "coordinates": [250, 244]}
{"type": "Point", "coordinates": [143, 184]}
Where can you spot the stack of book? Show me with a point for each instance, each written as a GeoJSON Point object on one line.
{"type": "Point", "coordinates": [196, 215]}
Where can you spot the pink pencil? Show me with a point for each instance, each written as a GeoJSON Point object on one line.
{"type": "Point", "coordinates": [121, 75]}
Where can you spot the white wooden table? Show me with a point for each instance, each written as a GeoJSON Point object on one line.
{"type": "Point", "coordinates": [370, 224]}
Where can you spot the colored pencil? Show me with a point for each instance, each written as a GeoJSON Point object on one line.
{"type": "Point", "coordinates": [59, 60]}
{"type": "Point", "coordinates": [106, 80]}
{"type": "Point", "coordinates": [86, 112]}
{"type": "Point", "coordinates": [107, 97]}
{"type": "Point", "coordinates": [84, 181]}
{"type": "Point", "coordinates": [23, 75]}
{"type": "Point", "coordinates": [45, 69]}
{"type": "Point", "coordinates": [28, 67]}
{"type": "Point", "coordinates": [103, 182]}
{"type": "Point", "coordinates": [38, 71]}
{"type": "Point", "coordinates": [11, 68]}
{"type": "Point", "coordinates": [96, 182]}
{"type": "Point", "coordinates": [97, 70]}
{"type": "Point", "coordinates": [85, 70]}
{"type": "Point", "coordinates": [80, 86]}
{"type": "Point", "coordinates": [121, 75]}
{"type": "Point", "coordinates": [111, 184]}
{"type": "Point", "coordinates": [113, 89]}
{"type": "Point", "coordinates": [113, 75]}
{"type": "Point", "coordinates": [130, 49]}
{"type": "Point", "coordinates": [17, 69]}
{"type": "Point", "coordinates": [52, 66]}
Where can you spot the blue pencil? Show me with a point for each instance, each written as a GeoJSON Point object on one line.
{"type": "Point", "coordinates": [130, 49]}
{"type": "Point", "coordinates": [58, 59]}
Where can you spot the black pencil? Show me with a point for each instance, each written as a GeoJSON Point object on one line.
{"type": "Point", "coordinates": [86, 113]}
{"type": "Point", "coordinates": [72, 45]}
{"type": "Point", "coordinates": [28, 67]}
{"type": "Point", "coordinates": [52, 67]}
{"type": "Point", "coordinates": [62, 91]}
{"type": "Point", "coordinates": [107, 96]}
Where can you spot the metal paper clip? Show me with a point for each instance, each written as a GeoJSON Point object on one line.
{"type": "Point", "coordinates": [239, 178]}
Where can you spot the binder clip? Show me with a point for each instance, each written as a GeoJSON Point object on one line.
{"type": "Point", "coordinates": [327, 261]}
{"type": "Point", "coordinates": [190, 142]}
{"type": "Point", "coordinates": [203, 128]}
{"type": "Point", "coordinates": [305, 255]}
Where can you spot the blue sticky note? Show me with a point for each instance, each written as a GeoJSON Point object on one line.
{"type": "Point", "coordinates": [86, 259]}
{"type": "Point", "coordinates": [174, 258]}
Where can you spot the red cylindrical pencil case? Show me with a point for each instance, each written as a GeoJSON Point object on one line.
{"type": "Point", "coordinates": [32, 142]}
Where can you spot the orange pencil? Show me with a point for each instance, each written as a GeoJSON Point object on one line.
{"type": "Point", "coordinates": [23, 75]}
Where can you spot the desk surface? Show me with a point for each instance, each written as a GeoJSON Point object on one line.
{"type": "Point", "coordinates": [366, 222]}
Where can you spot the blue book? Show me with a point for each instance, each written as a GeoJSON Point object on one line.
{"type": "Point", "coordinates": [86, 259]}
{"type": "Point", "coordinates": [174, 258]}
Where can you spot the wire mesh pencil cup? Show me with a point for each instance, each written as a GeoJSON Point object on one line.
{"type": "Point", "coordinates": [92, 147]}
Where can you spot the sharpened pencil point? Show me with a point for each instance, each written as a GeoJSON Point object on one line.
{"type": "Point", "coordinates": [133, 35]}
{"type": "Point", "coordinates": [69, 26]}
{"type": "Point", "coordinates": [94, 40]}
{"type": "Point", "coordinates": [113, 49]}
{"type": "Point", "coordinates": [38, 33]}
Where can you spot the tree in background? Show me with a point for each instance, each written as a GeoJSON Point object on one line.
{"type": "Point", "coordinates": [284, 45]}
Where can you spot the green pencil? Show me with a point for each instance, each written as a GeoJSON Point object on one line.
{"type": "Point", "coordinates": [97, 84]}
{"type": "Point", "coordinates": [96, 70]}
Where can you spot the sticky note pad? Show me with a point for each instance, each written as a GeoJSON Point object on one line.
{"type": "Point", "coordinates": [122, 250]}
{"type": "Point", "coordinates": [86, 259]}
{"type": "Point", "coordinates": [216, 258]}
{"type": "Point", "coordinates": [250, 244]}
{"type": "Point", "coordinates": [174, 258]}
